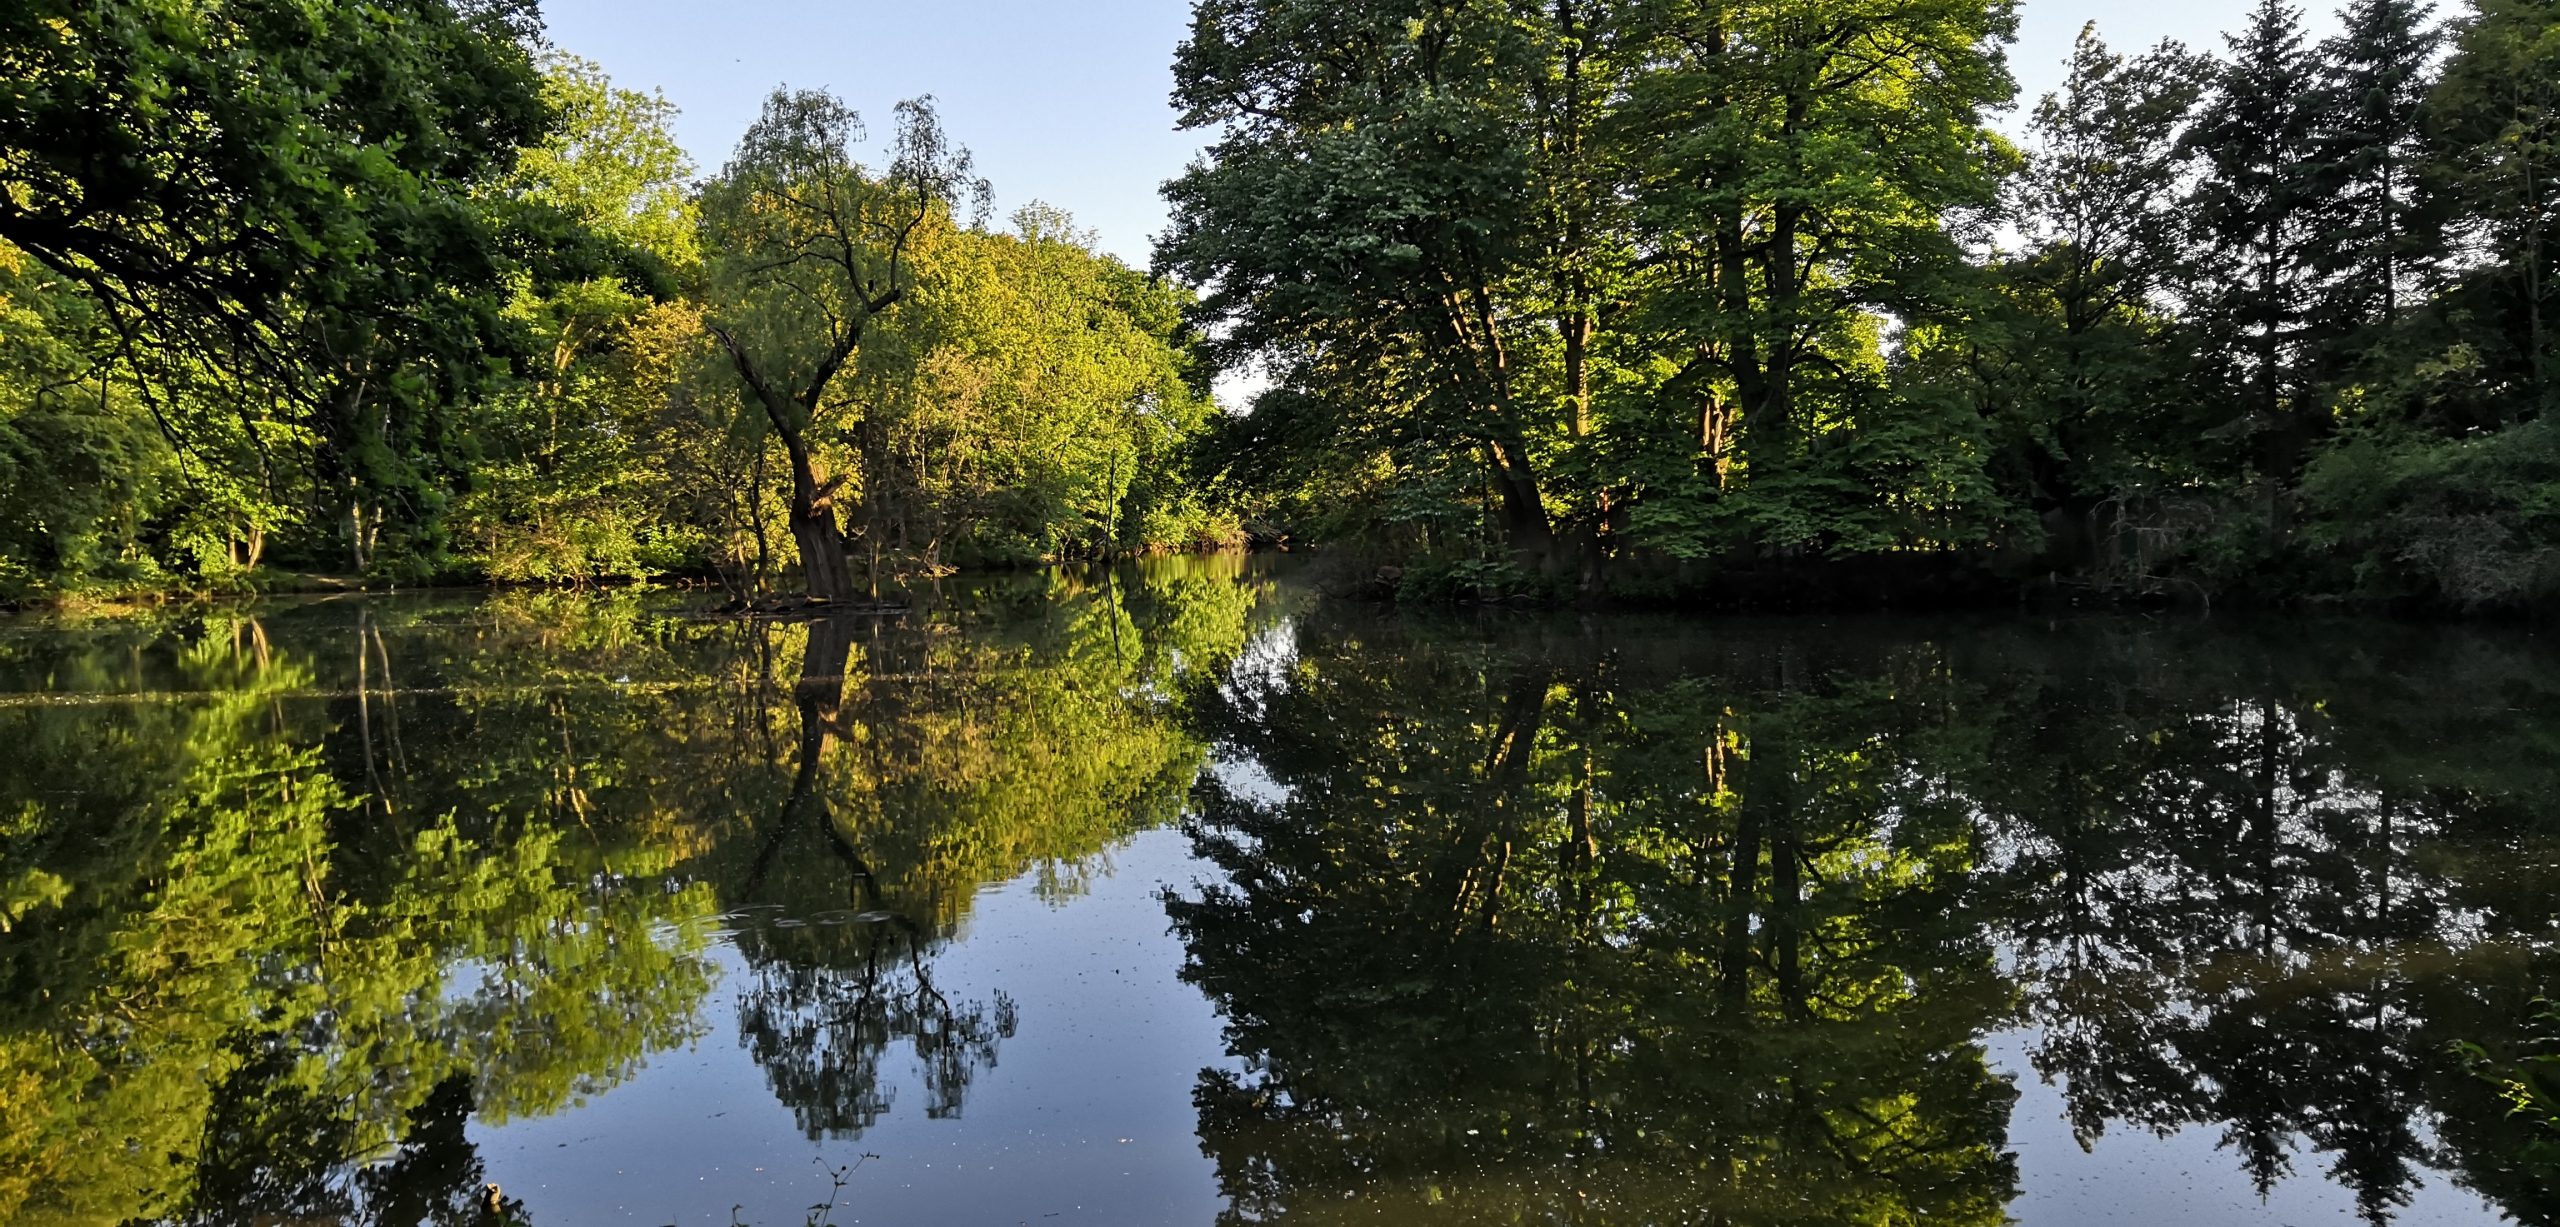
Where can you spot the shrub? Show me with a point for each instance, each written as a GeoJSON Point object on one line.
{"type": "Point", "coordinates": [2471, 522]}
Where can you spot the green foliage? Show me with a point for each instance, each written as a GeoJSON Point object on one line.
{"type": "Point", "coordinates": [2469, 523]}
{"type": "Point", "coordinates": [2531, 1087]}
{"type": "Point", "coordinates": [460, 350]}
{"type": "Point", "coordinates": [1033, 403]}
{"type": "Point", "coordinates": [1440, 256]}
{"type": "Point", "coordinates": [2381, 231]}
{"type": "Point", "coordinates": [301, 283]}
{"type": "Point", "coordinates": [581, 474]}
{"type": "Point", "coordinates": [2494, 123]}
{"type": "Point", "coordinates": [1706, 287]}
{"type": "Point", "coordinates": [83, 470]}
{"type": "Point", "coordinates": [2323, 242]}
{"type": "Point", "coordinates": [611, 162]}
{"type": "Point", "coordinates": [807, 250]}
{"type": "Point", "coordinates": [1396, 239]}
{"type": "Point", "coordinates": [326, 253]}
{"type": "Point", "coordinates": [1444, 580]}
{"type": "Point", "coordinates": [804, 245]}
{"type": "Point", "coordinates": [2254, 219]}
{"type": "Point", "coordinates": [2075, 335]}
{"type": "Point", "coordinates": [195, 209]}
{"type": "Point", "coordinates": [1736, 283]}
{"type": "Point", "coordinates": [280, 946]}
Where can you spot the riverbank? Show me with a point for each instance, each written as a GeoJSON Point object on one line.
{"type": "Point", "coordinates": [111, 598]}
{"type": "Point", "coordinates": [1889, 583]}
{"type": "Point", "coordinates": [1895, 583]}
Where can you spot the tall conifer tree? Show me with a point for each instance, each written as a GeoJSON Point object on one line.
{"type": "Point", "coordinates": [2377, 246]}
{"type": "Point", "coordinates": [2255, 231]}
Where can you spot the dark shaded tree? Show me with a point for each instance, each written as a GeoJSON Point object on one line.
{"type": "Point", "coordinates": [2378, 243]}
{"type": "Point", "coordinates": [2255, 229]}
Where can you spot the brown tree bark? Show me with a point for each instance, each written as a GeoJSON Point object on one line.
{"type": "Point", "coordinates": [817, 528]}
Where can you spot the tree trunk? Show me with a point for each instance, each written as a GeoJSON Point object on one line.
{"type": "Point", "coordinates": [1575, 320]}
{"type": "Point", "coordinates": [1742, 889]}
{"type": "Point", "coordinates": [1786, 899]}
{"type": "Point", "coordinates": [815, 527]}
{"type": "Point", "coordinates": [825, 571]}
{"type": "Point", "coordinates": [819, 694]}
{"type": "Point", "coordinates": [2292, 426]}
{"type": "Point", "coordinates": [1524, 511]}
{"type": "Point", "coordinates": [823, 564]}
{"type": "Point", "coordinates": [756, 586]}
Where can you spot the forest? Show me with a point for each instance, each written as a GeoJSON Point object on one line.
{"type": "Point", "coordinates": [1698, 301]}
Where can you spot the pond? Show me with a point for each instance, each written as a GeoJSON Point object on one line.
{"type": "Point", "coordinates": [1178, 894]}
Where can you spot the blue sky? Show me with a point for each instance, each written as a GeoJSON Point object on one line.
{"type": "Point", "coordinates": [1066, 100]}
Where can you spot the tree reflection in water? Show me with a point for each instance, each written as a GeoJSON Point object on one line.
{"type": "Point", "coordinates": [1625, 923]}
{"type": "Point", "coordinates": [1607, 921]}
{"type": "Point", "coordinates": [273, 924]}
{"type": "Point", "coordinates": [826, 1001]}
{"type": "Point", "coordinates": [1030, 738]}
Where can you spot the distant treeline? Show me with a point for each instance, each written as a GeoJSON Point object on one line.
{"type": "Point", "coordinates": [1657, 296]}
{"type": "Point", "coordinates": [396, 290]}
{"type": "Point", "coordinates": [1639, 297]}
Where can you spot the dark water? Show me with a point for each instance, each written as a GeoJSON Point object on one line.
{"type": "Point", "coordinates": [1180, 896]}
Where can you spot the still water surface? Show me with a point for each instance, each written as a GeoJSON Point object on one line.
{"type": "Point", "coordinates": [1180, 896]}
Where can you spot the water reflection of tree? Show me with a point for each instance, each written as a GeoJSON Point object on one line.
{"type": "Point", "coordinates": [2248, 894]}
{"type": "Point", "coordinates": [825, 1001]}
{"type": "Point", "coordinates": [1712, 929]}
{"type": "Point", "coordinates": [275, 1151]}
{"type": "Point", "coordinates": [193, 955]}
{"type": "Point", "coordinates": [256, 956]}
{"type": "Point", "coordinates": [1026, 738]}
{"type": "Point", "coordinates": [1510, 944]}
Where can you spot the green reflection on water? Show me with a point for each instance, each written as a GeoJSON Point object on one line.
{"type": "Point", "coordinates": [1540, 919]}
{"type": "Point", "coordinates": [1628, 922]}
{"type": "Point", "coordinates": [285, 897]}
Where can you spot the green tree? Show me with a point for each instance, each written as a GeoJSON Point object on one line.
{"type": "Point", "coordinates": [2495, 123]}
{"type": "Point", "coordinates": [195, 211]}
{"type": "Point", "coordinates": [81, 467]}
{"type": "Point", "coordinates": [1034, 402]}
{"type": "Point", "coordinates": [2089, 344]}
{"type": "Point", "coordinates": [2377, 246]}
{"type": "Point", "coordinates": [1563, 259]}
{"type": "Point", "coordinates": [329, 241]}
{"type": "Point", "coordinates": [574, 478]}
{"type": "Point", "coordinates": [805, 249]}
{"type": "Point", "coordinates": [1806, 160]}
{"type": "Point", "coordinates": [2256, 213]}
{"type": "Point", "coordinates": [1403, 209]}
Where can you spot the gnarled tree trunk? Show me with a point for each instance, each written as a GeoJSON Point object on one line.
{"type": "Point", "coordinates": [824, 566]}
{"type": "Point", "coordinates": [816, 527]}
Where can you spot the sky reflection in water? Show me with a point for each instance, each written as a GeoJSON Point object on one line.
{"type": "Point", "coordinates": [1178, 895]}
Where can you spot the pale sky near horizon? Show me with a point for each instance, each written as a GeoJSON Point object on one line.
{"type": "Point", "coordinates": [1068, 102]}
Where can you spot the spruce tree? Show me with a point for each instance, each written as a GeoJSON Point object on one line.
{"type": "Point", "coordinates": [2254, 213]}
{"type": "Point", "coordinates": [2378, 249]}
